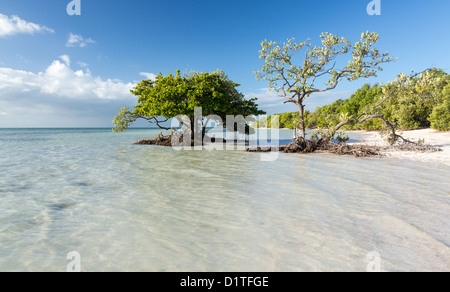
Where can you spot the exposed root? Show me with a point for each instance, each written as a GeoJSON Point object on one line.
{"type": "Point", "coordinates": [167, 141]}
{"type": "Point", "coordinates": [354, 150]}
{"type": "Point", "coordinates": [327, 146]}
{"type": "Point", "coordinates": [319, 146]}
{"type": "Point", "coordinates": [159, 140]}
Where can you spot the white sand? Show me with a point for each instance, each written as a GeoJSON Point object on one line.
{"type": "Point", "coordinates": [432, 137]}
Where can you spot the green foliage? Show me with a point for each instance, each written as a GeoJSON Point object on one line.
{"type": "Point", "coordinates": [328, 116]}
{"type": "Point", "coordinates": [123, 120]}
{"type": "Point", "coordinates": [362, 99]}
{"type": "Point", "coordinates": [412, 99]}
{"type": "Point", "coordinates": [297, 80]}
{"type": "Point", "coordinates": [286, 120]}
{"type": "Point", "coordinates": [279, 66]}
{"type": "Point", "coordinates": [440, 117]}
{"type": "Point", "coordinates": [328, 134]}
{"type": "Point", "coordinates": [289, 120]}
{"type": "Point", "coordinates": [342, 137]}
{"type": "Point", "coordinates": [173, 95]}
{"type": "Point", "coordinates": [422, 100]}
{"type": "Point", "coordinates": [412, 102]}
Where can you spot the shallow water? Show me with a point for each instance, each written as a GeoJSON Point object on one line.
{"type": "Point", "coordinates": [127, 207]}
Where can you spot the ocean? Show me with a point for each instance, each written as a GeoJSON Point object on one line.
{"type": "Point", "coordinates": [126, 207]}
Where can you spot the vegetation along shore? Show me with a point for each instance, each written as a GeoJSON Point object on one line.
{"type": "Point", "coordinates": [418, 100]}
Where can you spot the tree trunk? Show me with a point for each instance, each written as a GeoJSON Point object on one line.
{"type": "Point", "coordinates": [203, 132]}
{"type": "Point", "coordinates": [198, 131]}
{"type": "Point", "coordinates": [394, 136]}
{"type": "Point", "coordinates": [193, 131]}
{"type": "Point", "coordinates": [302, 121]}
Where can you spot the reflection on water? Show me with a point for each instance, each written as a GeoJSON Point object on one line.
{"type": "Point", "coordinates": [125, 207]}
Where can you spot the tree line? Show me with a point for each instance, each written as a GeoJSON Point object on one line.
{"type": "Point", "coordinates": [427, 105]}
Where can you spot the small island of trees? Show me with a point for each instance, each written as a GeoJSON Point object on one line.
{"type": "Point", "coordinates": [177, 96]}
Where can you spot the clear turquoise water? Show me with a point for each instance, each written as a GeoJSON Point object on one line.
{"type": "Point", "coordinates": [126, 207]}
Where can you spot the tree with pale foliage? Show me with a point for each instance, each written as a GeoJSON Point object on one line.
{"type": "Point", "coordinates": [296, 81]}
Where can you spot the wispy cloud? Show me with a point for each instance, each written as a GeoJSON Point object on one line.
{"type": "Point", "coordinates": [150, 76]}
{"type": "Point", "coordinates": [65, 59]}
{"type": "Point", "coordinates": [271, 102]}
{"type": "Point", "coordinates": [266, 97]}
{"type": "Point", "coordinates": [22, 58]}
{"type": "Point", "coordinates": [76, 40]}
{"type": "Point", "coordinates": [12, 25]}
{"type": "Point", "coordinates": [82, 64]}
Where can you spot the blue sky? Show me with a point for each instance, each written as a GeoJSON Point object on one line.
{"type": "Point", "coordinates": [58, 70]}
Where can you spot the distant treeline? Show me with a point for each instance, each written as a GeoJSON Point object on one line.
{"type": "Point", "coordinates": [429, 109]}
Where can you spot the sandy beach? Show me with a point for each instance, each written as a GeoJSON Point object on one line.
{"type": "Point", "coordinates": [432, 137]}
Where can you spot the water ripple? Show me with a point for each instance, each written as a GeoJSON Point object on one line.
{"type": "Point", "coordinates": [131, 208]}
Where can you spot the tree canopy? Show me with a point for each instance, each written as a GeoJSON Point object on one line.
{"type": "Point", "coordinates": [297, 80]}
{"type": "Point", "coordinates": [169, 96]}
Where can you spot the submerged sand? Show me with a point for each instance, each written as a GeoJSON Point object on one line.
{"type": "Point", "coordinates": [431, 137]}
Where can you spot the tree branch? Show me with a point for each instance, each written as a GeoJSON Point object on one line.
{"type": "Point", "coordinates": [154, 120]}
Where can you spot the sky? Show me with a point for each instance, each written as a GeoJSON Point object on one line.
{"type": "Point", "coordinates": [61, 70]}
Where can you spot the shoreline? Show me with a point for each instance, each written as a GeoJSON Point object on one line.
{"type": "Point", "coordinates": [372, 144]}
{"type": "Point", "coordinates": [432, 137]}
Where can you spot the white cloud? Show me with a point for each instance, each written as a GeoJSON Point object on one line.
{"type": "Point", "coordinates": [271, 102]}
{"type": "Point", "coordinates": [76, 40]}
{"type": "Point", "coordinates": [328, 97]}
{"type": "Point", "coordinates": [150, 76]}
{"type": "Point", "coordinates": [60, 80]}
{"type": "Point", "coordinates": [266, 97]}
{"type": "Point", "coordinates": [60, 96]}
{"type": "Point", "coordinates": [15, 25]}
{"type": "Point", "coordinates": [66, 59]}
{"type": "Point", "coordinates": [82, 64]}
